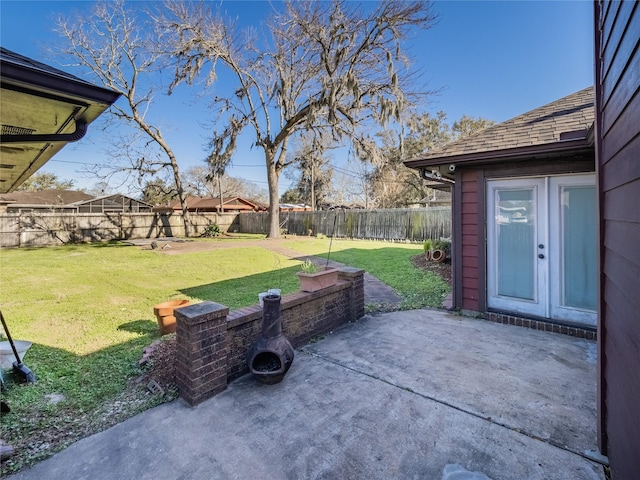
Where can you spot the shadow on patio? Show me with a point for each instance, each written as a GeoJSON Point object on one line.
{"type": "Point", "coordinates": [399, 395]}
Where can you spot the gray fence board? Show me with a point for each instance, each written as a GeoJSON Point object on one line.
{"type": "Point", "coordinates": [409, 224]}
{"type": "Point", "coordinates": [42, 229]}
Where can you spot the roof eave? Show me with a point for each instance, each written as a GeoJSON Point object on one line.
{"type": "Point", "coordinates": [548, 150]}
{"type": "Point", "coordinates": [45, 81]}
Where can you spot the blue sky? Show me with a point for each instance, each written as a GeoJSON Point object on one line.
{"type": "Point", "coordinates": [490, 59]}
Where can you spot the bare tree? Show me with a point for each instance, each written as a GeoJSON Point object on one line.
{"type": "Point", "coordinates": [311, 170]}
{"type": "Point", "coordinates": [222, 147]}
{"type": "Point", "coordinates": [334, 65]}
{"type": "Point", "coordinates": [351, 184]}
{"type": "Point", "coordinates": [114, 46]}
{"type": "Point", "coordinates": [197, 183]}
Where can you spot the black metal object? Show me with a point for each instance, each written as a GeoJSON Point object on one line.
{"type": "Point", "coordinates": [19, 368]}
{"type": "Point", "coordinates": [271, 354]}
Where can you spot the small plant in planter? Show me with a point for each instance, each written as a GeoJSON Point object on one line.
{"type": "Point", "coordinates": [312, 278]}
{"type": "Point", "coordinates": [308, 266]}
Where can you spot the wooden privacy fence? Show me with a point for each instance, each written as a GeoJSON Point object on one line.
{"type": "Point", "coordinates": [41, 229]}
{"type": "Point", "coordinates": [407, 224]}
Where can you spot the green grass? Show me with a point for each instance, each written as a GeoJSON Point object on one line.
{"type": "Point", "coordinates": [390, 262]}
{"type": "Point", "coordinates": [88, 309]}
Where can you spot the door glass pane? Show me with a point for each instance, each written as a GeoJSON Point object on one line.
{"type": "Point", "coordinates": [515, 225]}
{"type": "Point", "coordinates": [579, 274]}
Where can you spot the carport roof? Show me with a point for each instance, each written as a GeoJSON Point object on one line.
{"type": "Point", "coordinates": [41, 110]}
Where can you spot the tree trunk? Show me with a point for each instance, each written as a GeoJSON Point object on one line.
{"type": "Point", "coordinates": [274, 197]}
{"type": "Point", "coordinates": [181, 196]}
{"type": "Point", "coordinates": [313, 189]}
{"type": "Point", "coordinates": [221, 209]}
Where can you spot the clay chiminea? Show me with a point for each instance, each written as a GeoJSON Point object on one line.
{"type": "Point", "coordinates": [271, 355]}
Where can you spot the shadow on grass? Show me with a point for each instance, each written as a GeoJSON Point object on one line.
{"type": "Point", "coordinates": [141, 327]}
{"type": "Point", "coordinates": [241, 292]}
{"type": "Point", "coordinates": [392, 265]}
{"type": "Point", "coordinates": [74, 396]}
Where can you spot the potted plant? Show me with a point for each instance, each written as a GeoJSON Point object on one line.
{"type": "Point", "coordinates": [165, 316]}
{"type": "Point", "coordinates": [312, 278]}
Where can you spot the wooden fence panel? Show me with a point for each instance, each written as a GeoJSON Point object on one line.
{"type": "Point", "coordinates": [410, 224]}
{"type": "Point", "coordinates": [9, 231]}
{"type": "Point", "coordinates": [43, 229]}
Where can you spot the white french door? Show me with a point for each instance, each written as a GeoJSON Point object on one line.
{"type": "Point", "coordinates": [541, 247]}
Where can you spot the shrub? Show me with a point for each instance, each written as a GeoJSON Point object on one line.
{"type": "Point", "coordinates": [212, 230]}
{"type": "Point", "coordinates": [443, 244]}
{"type": "Point", "coordinates": [427, 245]}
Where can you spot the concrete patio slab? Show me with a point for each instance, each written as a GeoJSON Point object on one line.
{"type": "Point", "coordinates": [406, 395]}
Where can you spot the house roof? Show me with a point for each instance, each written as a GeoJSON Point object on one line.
{"type": "Point", "coordinates": [556, 127]}
{"type": "Point", "coordinates": [115, 198]}
{"type": "Point", "coordinates": [41, 110]}
{"type": "Point", "coordinates": [44, 197]}
{"type": "Point", "coordinates": [210, 203]}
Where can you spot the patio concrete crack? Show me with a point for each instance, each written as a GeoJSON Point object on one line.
{"type": "Point", "coordinates": [517, 430]}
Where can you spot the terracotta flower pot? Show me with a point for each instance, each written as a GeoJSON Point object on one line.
{"type": "Point", "coordinates": [164, 314]}
{"type": "Point", "coordinates": [312, 282]}
{"type": "Point", "coordinates": [438, 256]}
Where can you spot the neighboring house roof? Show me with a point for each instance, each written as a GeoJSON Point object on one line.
{"type": "Point", "coordinates": [113, 202]}
{"type": "Point", "coordinates": [41, 110]}
{"type": "Point", "coordinates": [557, 127]}
{"type": "Point", "coordinates": [437, 197]}
{"type": "Point", "coordinates": [44, 197]}
{"type": "Point", "coordinates": [71, 200]}
{"type": "Point", "coordinates": [294, 207]}
{"type": "Point", "coordinates": [204, 204]}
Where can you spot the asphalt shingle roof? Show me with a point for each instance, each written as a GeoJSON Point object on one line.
{"type": "Point", "coordinates": [45, 197]}
{"type": "Point", "coordinates": [541, 126]}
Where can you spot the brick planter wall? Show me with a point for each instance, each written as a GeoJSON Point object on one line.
{"type": "Point", "coordinates": [212, 343]}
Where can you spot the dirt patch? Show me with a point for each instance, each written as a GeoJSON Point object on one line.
{"type": "Point", "coordinates": [443, 269]}
{"type": "Point", "coordinates": [180, 246]}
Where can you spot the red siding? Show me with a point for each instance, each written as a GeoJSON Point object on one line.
{"type": "Point", "coordinates": [469, 227]}
{"type": "Point", "coordinates": [618, 158]}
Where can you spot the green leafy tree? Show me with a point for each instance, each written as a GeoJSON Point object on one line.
{"type": "Point", "coordinates": [292, 195]}
{"type": "Point", "coordinates": [158, 192]}
{"type": "Point", "coordinates": [467, 126]}
{"type": "Point", "coordinates": [393, 184]}
{"type": "Point", "coordinates": [45, 181]}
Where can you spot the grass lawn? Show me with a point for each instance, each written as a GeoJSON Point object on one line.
{"type": "Point", "coordinates": [88, 309]}
{"type": "Point", "coordinates": [387, 261]}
